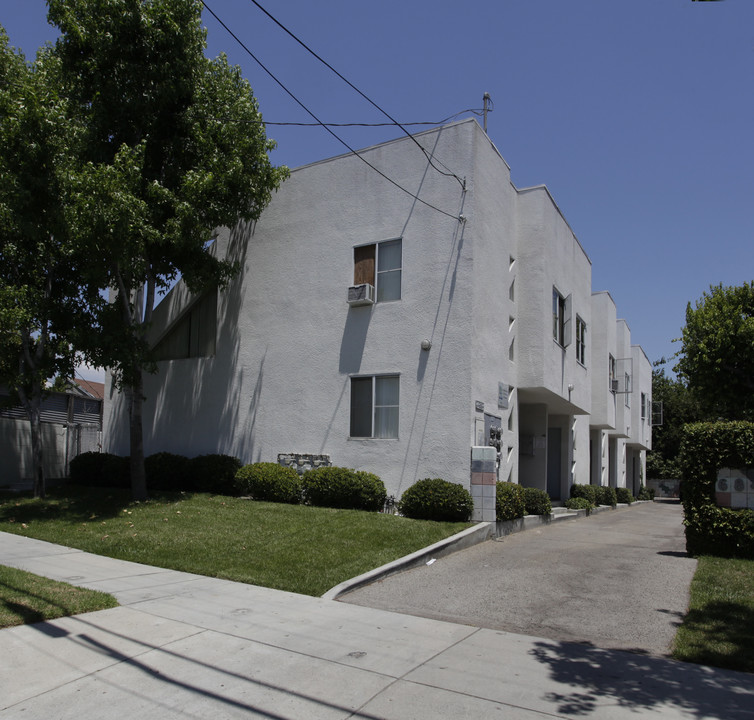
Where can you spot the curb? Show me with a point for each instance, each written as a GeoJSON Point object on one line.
{"type": "Point", "coordinates": [481, 532]}
{"type": "Point", "coordinates": [462, 540]}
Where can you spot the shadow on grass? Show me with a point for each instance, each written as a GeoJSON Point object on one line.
{"type": "Point", "coordinates": [25, 614]}
{"type": "Point", "coordinates": [720, 634]}
{"type": "Point", "coordinates": [602, 679]}
{"type": "Point", "coordinates": [71, 503]}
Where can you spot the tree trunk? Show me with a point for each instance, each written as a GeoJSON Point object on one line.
{"type": "Point", "coordinates": [33, 407]}
{"type": "Point", "coordinates": [37, 458]}
{"type": "Point", "coordinates": [136, 402]}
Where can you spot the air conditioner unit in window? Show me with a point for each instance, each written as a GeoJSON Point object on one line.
{"type": "Point", "coordinates": [615, 385]}
{"type": "Point", "coordinates": [361, 295]}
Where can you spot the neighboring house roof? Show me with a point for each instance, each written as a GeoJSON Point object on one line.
{"type": "Point", "coordinates": [93, 389]}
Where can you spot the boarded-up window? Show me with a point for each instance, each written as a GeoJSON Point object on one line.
{"type": "Point", "coordinates": [363, 264]}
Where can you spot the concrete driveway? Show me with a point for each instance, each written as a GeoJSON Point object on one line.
{"type": "Point", "coordinates": [617, 579]}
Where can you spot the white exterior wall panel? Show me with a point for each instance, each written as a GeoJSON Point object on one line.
{"type": "Point", "coordinates": [288, 344]}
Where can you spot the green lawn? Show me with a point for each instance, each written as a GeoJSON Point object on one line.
{"type": "Point", "coordinates": [28, 598]}
{"type": "Point", "coordinates": [289, 547]}
{"type": "Point", "coordinates": [719, 627]}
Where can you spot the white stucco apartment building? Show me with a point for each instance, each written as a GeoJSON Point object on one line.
{"type": "Point", "coordinates": [392, 327]}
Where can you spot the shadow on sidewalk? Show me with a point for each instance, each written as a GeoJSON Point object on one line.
{"type": "Point", "coordinates": [640, 682]}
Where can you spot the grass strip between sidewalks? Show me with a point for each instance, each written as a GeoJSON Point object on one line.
{"type": "Point", "coordinates": [718, 629]}
{"type": "Point", "coordinates": [28, 598]}
{"type": "Point", "coordinates": [297, 548]}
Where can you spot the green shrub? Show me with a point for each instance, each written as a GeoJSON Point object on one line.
{"type": "Point", "coordinates": [509, 501]}
{"type": "Point", "coordinates": [437, 499]}
{"type": "Point", "coordinates": [338, 487]}
{"type": "Point", "coordinates": [646, 493]}
{"type": "Point", "coordinates": [167, 471]}
{"type": "Point", "coordinates": [214, 473]}
{"type": "Point", "coordinates": [98, 469]}
{"type": "Point", "coordinates": [579, 503]}
{"type": "Point", "coordinates": [537, 502]}
{"type": "Point", "coordinates": [606, 496]}
{"type": "Point", "coordinates": [624, 495]}
{"type": "Point", "coordinates": [269, 481]}
{"type": "Point", "coordinates": [589, 492]}
{"type": "Point", "coordinates": [705, 448]}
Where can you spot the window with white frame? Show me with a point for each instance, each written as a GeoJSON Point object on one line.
{"type": "Point", "coordinates": [580, 340]}
{"type": "Point", "coordinates": [374, 406]}
{"type": "Point", "coordinates": [643, 407]}
{"type": "Point", "coordinates": [611, 374]}
{"type": "Point", "coordinates": [627, 389]}
{"type": "Point", "coordinates": [561, 318]}
{"type": "Point", "coordinates": [380, 264]}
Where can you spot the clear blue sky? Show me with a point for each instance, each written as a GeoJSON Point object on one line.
{"type": "Point", "coordinates": [638, 116]}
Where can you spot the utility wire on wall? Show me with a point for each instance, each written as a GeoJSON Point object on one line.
{"type": "Point", "coordinates": [322, 124]}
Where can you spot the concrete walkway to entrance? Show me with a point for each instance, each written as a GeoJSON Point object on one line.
{"type": "Point", "coordinates": [187, 646]}
{"type": "Point", "coordinates": [617, 579]}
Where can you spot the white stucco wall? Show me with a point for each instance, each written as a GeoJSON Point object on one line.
{"type": "Point", "coordinates": [604, 344]}
{"type": "Point", "coordinates": [641, 428]}
{"type": "Point", "coordinates": [491, 233]}
{"type": "Point", "coordinates": [550, 256]}
{"type": "Point", "coordinates": [288, 342]}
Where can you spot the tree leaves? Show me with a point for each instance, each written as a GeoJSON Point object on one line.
{"type": "Point", "coordinates": [717, 357]}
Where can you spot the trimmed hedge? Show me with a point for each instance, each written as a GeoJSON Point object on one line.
{"type": "Point", "coordinates": [537, 502]}
{"type": "Point", "coordinates": [588, 492]}
{"type": "Point", "coordinates": [596, 494]}
{"type": "Point", "coordinates": [214, 473]}
{"type": "Point", "coordinates": [606, 496]}
{"type": "Point", "coordinates": [646, 493]}
{"type": "Point", "coordinates": [579, 503]}
{"type": "Point", "coordinates": [100, 469]}
{"type": "Point", "coordinates": [509, 501]}
{"type": "Point", "coordinates": [338, 487]}
{"type": "Point", "coordinates": [705, 448]}
{"type": "Point", "coordinates": [624, 495]}
{"type": "Point", "coordinates": [437, 499]}
{"type": "Point", "coordinates": [269, 481]}
{"type": "Point", "coordinates": [167, 471]}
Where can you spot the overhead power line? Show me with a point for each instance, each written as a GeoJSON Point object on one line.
{"type": "Point", "coordinates": [382, 124]}
{"type": "Point", "coordinates": [318, 121]}
{"type": "Point", "coordinates": [363, 95]}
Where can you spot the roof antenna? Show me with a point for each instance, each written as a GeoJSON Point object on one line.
{"type": "Point", "coordinates": [488, 107]}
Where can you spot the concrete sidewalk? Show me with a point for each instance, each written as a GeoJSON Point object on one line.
{"type": "Point", "coordinates": [188, 646]}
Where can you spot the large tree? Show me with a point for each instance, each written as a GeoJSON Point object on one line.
{"type": "Point", "coordinates": [717, 355]}
{"type": "Point", "coordinates": [678, 408]}
{"type": "Point", "coordinates": [174, 147]}
{"type": "Point", "coordinates": [40, 297]}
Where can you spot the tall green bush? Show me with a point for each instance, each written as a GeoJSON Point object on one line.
{"type": "Point", "coordinates": [99, 469]}
{"type": "Point", "coordinates": [624, 495]}
{"type": "Point", "coordinates": [167, 471]}
{"type": "Point", "coordinates": [589, 492]}
{"type": "Point", "coordinates": [606, 495]}
{"type": "Point", "coordinates": [705, 448]}
{"type": "Point", "coordinates": [510, 503]}
{"type": "Point", "coordinates": [269, 481]}
{"type": "Point", "coordinates": [537, 502]}
{"type": "Point", "coordinates": [437, 499]}
{"type": "Point", "coordinates": [214, 473]}
{"type": "Point", "coordinates": [338, 487]}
